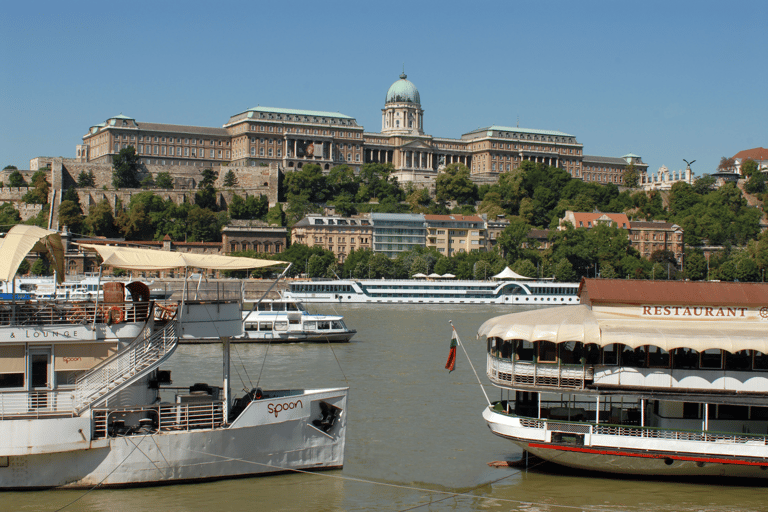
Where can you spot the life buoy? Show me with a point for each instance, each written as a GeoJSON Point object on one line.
{"type": "Point", "coordinates": [115, 315]}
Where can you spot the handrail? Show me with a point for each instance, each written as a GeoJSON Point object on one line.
{"type": "Point", "coordinates": [136, 360]}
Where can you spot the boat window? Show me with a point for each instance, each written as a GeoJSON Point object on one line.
{"type": "Point", "coordinates": [547, 352]}
{"type": "Point", "coordinates": [504, 349]}
{"type": "Point", "coordinates": [12, 366]}
{"type": "Point", "coordinates": [712, 359]}
{"type": "Point", "coordinates": [657, 357]}
{"type": "Point", "coordinates": [67, 378]}
{"type": "Point", "coordinates": [633, 357]}
{"type": "Point", "coordinates": [265, 326]}
{"type": "Point", "coordinates": [292, 306]}
{"type": "Point", "coordinates": [731, 412]}
{"type": "Point", "coordinates": [337, 325]}
{"type": "Point", "coordinates": [684, 358]}
{"type": "Point", "coordinates": [611, 354]}
{"type": "Point", "coordinates": [278, 306]}
{"type": "Point", "coordinates": [524, 350]}
{"type": "Point", "coordinates": [309, 326]}
{"type": "Point", "coordinates": [760, 361]}
{"type": "Point", "coordinates": [741, 360]}
{"type": "Point", "coordinates": [571, 352]}
{"type": "Point", "coordinates": [759, 413]}
{"type": "Point", "coordinates": [264, 306]}
{"type": "Point", "coordinates": [281, 326]}
{"type": "Point", "coordinates": [491, 345]}
{"type": "Point", "coordinates": [251, 326]}
{"type": "Point", "coordinates": [323, 326]}
{"type": "Point", "coordinates": [691, 410]}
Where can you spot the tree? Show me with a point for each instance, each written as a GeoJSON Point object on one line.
{"type": "Point", "coordinates": [71, 215]}
{"type": "Point", "coordinates": [276, 216]}
{"type": "Point", "coordinates": [125, 168]}
{"type": "Point", "coordinates": [41, 268]}
{"type": "Point", "coordinates": [513, 240]}
{"type": "Point", "coordinates": [9, 167]}
{"type": "Point", "coordinates": [9, 216]}
{"type": "Point", "coordinates": [148, 182]}
{"type": "Point", "coordinates": [163, 180]}
{"type": "Point", "coordinates": [695, 265]}
{"type": "Point", "coordinates": [564, 271]}
{"type": "Point", "coordinates": [100, 220]}
{"type": "Point", "coordinates": [206, 198]}
{"type": "Point", "coordinates": [208, 180]}
{"type": "Point", "coordinates": [15, 180]}
{"type": "Point", "coordinates": [86, 179]}
{"type": "Point", "coordinates": [631, 176]}
{"type": "Point", "coordinates": [40, 188]}
{"type": "Point", "coordinates": [524, 268]}
{"type": "Point", "coordinates": [230, 180]}
{"type": "Point", "coordinates": [748, 167]}
{"type": "Point", "coordinates": [453, 184]}
{"type": "Point", "coordinates": [727, 165]}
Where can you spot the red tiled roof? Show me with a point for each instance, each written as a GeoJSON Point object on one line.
{"type": "Point", "coordinates": [756, 154]}
{"type": "Point", "coordinates": [635, 292]}
{"type": "Point", "coordinates": [461, 218]}
{"type": "Point", "coordinates": [588, 219]}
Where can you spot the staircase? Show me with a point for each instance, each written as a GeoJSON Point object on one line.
{"type": "Point", "coordinates": [144, 354]}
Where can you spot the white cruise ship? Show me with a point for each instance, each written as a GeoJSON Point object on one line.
{"type": "Point", "coordinates": [444, 291]}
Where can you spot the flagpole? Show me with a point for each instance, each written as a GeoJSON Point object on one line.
{"type": "Point", "coordinates": [458, 340]}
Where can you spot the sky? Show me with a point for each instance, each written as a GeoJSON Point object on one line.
{"type": "Point", "coordinates": [665, 80]}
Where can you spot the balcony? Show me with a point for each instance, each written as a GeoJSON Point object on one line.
{"type": "Point", "coordinates": [508, 373]}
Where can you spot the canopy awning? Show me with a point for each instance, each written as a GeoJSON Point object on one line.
{"type": "Point", "coordinates": [21, 240]}
{"type": "Point", "coordinates": [508, 273]}
{"type": "Point", "coordinates": [133, 258]}
{"type": "Point", "coordinates": [579, 323]}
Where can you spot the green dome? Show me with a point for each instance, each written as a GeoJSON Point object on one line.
{"type": "Point", "coordinates": [403, 91]}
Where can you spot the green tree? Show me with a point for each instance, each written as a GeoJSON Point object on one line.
{"type": "Point", "coordinates": [9, 167]}
{"type": "Point", "coordinates": [206, 198]}
{"type": "Point", "coordinates": [453, 184]}
{"type": "Point", "coordinates": [564, 271]}
{"type": "Point", "coordinates": [9, 216]}
{"type": "Point", "coordinates": [148, 182]}
{"type": "Point", "coordinates": [631, 176]}
{"type": "Point", "coordinates": [16, 180]}
{"type": "Point", "coordinates": [71, 215]}
{"type": "Point", "coordinates": [209, 177]}
{"type": "Point", "coordinates": [695, 265]}
{"type": "Point", "coordinates": [727, 165]}
{"type": "Point", "coordinates": [100, 219]}
{"type": "Point", "coordinates": [748, 167]}
{"type": "Point", "coordinates": [86, 179]}
{"type": "Point", "coordinates": [276, 216]}
{"type": "Point", "coordinates": [40, 189]}
{"type": "Point", "coordinates": [125, 168]}
{"type": "Point", "coordinates": [524, 268]}
{"type": "Point", "coordinates": [164, 180]}
{"type": "Point", "coordinates": [513, 241]}
{"type": "Point", "coordinates": [41, 267]}
{"type": "Point", "coordinates": [230, 180]}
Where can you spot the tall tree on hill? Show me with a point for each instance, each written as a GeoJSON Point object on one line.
{"type": "Point", "coordinates": [631, 176]}
{"type": "Point", "coordinates": [125, 169]}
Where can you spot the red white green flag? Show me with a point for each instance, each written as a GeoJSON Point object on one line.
{"type": "Point", "coordinates": [450, 365]}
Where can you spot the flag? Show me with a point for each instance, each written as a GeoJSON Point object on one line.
{"type": "Point", "coordinates": [450, 365]}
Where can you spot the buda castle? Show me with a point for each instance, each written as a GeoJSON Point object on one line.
{"type": "Point", "coordinates": [287, 139]}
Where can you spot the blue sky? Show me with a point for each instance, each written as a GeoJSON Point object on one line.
{"type": "Point", "coordinates": [664, 80]}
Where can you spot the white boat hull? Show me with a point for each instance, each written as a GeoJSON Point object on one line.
{"type": "Point", "coordinates": [269, 436]}
{"type": "Point", "coordinates": [629, 455]}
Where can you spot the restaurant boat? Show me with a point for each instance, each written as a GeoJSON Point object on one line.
{"type": "Point", "coordinates": [285, 320]}
{"type": "Point", "coordinates": [643, 377]}
{"type": "Point", "coordinates": [84, 401]}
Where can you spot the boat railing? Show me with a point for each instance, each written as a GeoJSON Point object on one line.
{"type": "Point", "coordinates": [35, 313]}
{"type": "Point", "coordinates": [635, 431]}
{"type": "Point", "coordinates": [36, 404]}
{"type": "Point", "coordinates": [158, 418]}
{"type": "Point", "coordinates": [555, 375]}
{"type": "Point", "coordinates": [137, 359]}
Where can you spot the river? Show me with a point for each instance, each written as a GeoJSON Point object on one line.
{"type": "Point", "coordinates": [415, 436]}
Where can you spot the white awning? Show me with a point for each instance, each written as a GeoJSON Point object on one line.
{"type": "Point", "coordinates": [132, 258]}
{"type": "Point", "coordinates": [508, 273]}
{"type": "Point", "coordinates": [21, 240]}
{"type": "Point", "coordinates": [579, 323]}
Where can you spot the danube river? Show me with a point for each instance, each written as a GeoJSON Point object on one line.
{"type": "Point", "coordinates": [415, 436]}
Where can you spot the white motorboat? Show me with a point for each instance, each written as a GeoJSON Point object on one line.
{"type": "Point", "coordinates": [84, 401]}
{"type": "Point", "coordinates": [645, 377]}
{"type": "Point", "coordinates": [286, 320]}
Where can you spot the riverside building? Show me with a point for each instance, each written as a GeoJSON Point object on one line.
{"type": "Point", "coordinates": [291, 138]}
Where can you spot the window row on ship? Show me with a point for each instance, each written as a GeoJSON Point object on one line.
{"type": "Point", "coordinates": [646, 356]}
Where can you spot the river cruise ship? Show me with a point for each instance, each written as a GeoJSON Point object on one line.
{"type": "Point", "coordinates": [85, 402]}
{"type": "Point", "coordinates": [643, 377]}
{"type": "Point", "coordinates": [436, 291]}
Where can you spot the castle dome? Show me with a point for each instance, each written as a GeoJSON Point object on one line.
{"type": "Point", "coordinates": [403, 91]}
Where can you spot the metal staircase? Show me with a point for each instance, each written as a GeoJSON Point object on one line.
{"type": "Point", "coordinates": [144, 354]}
